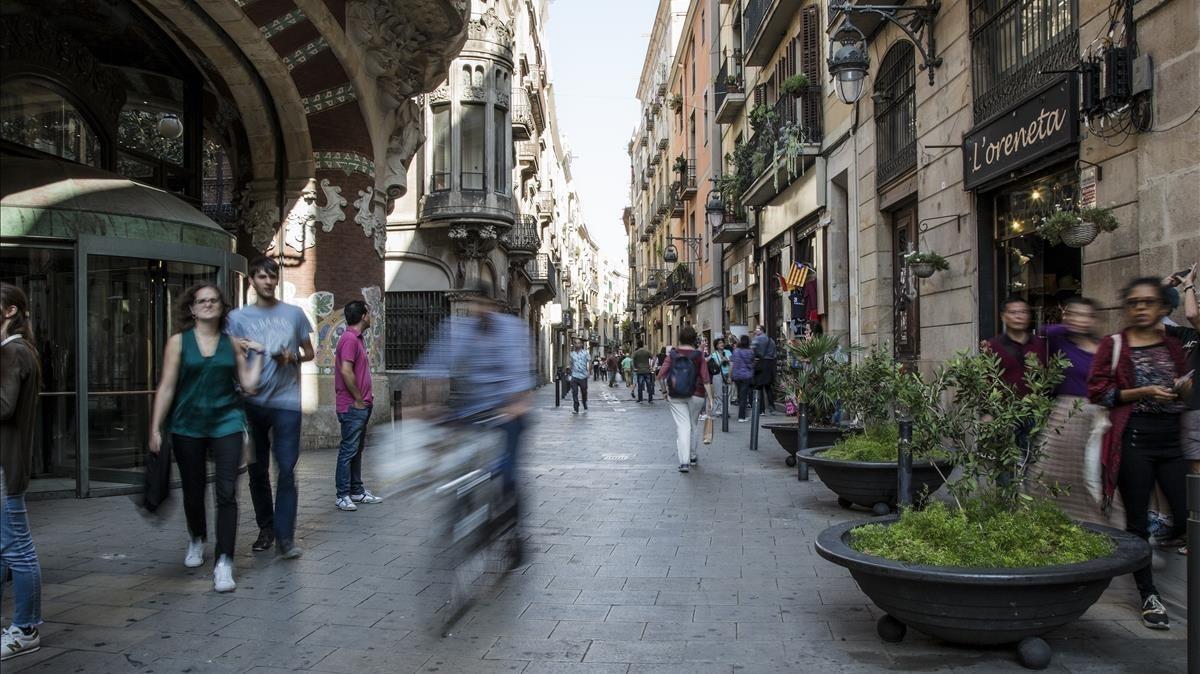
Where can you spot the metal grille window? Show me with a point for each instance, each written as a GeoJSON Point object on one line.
{"type": "Point", "coordinates": [1014, 46]}
{"type": "Point", "coordinates": [411, 320]}
{"type": "Point", "coordinates": [896, 114]}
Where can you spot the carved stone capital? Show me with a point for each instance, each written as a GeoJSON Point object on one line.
{"type": "Point", "coordinates": [473, 241]}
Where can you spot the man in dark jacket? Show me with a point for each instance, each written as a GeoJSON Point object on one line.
{"type": "Point", "coordinates": [764, 366]}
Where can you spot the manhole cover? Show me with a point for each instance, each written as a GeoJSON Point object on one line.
{"type": "Point", "coordinates": [615, 457]}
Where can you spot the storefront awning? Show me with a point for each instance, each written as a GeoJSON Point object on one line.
{"type": "Point", "coordinates": [60, 199]}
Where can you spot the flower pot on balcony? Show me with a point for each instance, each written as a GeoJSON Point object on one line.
{"type": "Point", "coordinates": [922, 269]}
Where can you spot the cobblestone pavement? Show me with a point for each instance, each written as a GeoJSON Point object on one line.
{"type": "Point", "coordinates": [633, 567]}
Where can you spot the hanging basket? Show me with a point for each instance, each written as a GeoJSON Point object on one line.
{"type": "Point", "coordinates": [1080, 234]}
{"type": "Point", "coordinates": [922, 269]}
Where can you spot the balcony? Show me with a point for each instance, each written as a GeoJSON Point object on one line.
{"type": "Point", "coordinates": [676, 200]}
{"type": "Point", "coordinates": [729, 93]}
{"type": "Point", "coordinates": [523, 240]}
{"type": "Point", "coordinates": [522, 116]}
{"type": "Point", "coordinates": [734, 227]}
{"type": "Point", "coordinates": [764, 25]}
{"type": "Point", "coordinates": [685, 169]}
{"type": "Point", "coordinates": [543, 277]}
{"type": "Point", "coordinates": [784, 147]}
{"type": "Point", "coordinates": [662, 143]}
{"type": "Point", "coordinates": [528, 154]}
{"type": "Point", "coordinates": [544, 203]}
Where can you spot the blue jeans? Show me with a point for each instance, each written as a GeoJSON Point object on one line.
{"type": "Point", "coordinates": [646, 379]}
{"type": "Point", "coordinates": [278, 430]}
{"type": "Point", "coordinates": [348, 478]}
{"type": "Point", "coordinates": [18, 554]}
{"type": "Point", "coordinates": [513, 429]}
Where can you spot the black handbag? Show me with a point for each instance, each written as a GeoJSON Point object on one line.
{"type": "Point", "coordinates": [157, 479]}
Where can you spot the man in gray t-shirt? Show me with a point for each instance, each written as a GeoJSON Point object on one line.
{"type": "Point", "coordinates": [273, 413]}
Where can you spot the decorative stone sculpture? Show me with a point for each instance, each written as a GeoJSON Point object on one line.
{"type": "Point", "coordinates": [300, 227]}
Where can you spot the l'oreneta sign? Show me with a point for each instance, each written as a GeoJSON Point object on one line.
{"type": "Point", "coordinates": [1042, 124]}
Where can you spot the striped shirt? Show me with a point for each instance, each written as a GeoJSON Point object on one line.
{"type": "Point", "coordinates": [488, 360]}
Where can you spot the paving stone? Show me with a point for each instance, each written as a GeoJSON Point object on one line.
{"type": "Point", "coordinates": [453, 665]}
{"type": "Point", "coordinates": [515, 648]}
{"type": "Point", "coordinates": [543, 611]}
{"type": "Point", "coordinates": [646, 614]}
{"type": "Point", "coordinates": [689, 631]}
{"type": "Point", "coordinates": [606, 631]}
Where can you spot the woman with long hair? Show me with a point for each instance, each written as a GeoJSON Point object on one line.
{"type": "Point", "coordinates": [20, 383]}
{"type": "Point", "coordinates": [198, 400]}
{"type": "Point", "coordinates": [686, 399]}
{"type": "Point", "coordinates": [742, 370]}
{"type": "Point", "coordinates": [1138, 375]}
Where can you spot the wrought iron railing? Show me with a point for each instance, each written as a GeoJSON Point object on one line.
{"type": "Point", "coordinates": [787, 120]}
{"type": "Point", "coordinates": [411, 320]}
{"type": "Point", "coordinates": [753, 14]}
{"type": "Point", "coordinates": [543, 270]}
{"type": "Point", "coordinates": [545, 202]}
{"type": "Point", "coordinates": [522, 114]}
{"type": "Point", "coordinates": [896, 114]}
{"type": "Point", "coordinates": [729, 81]}
{"type": "Point", "coordinates": [523, 237]}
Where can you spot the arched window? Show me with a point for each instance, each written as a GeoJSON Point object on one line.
{"type": "Point", "coordinates": [895, 114]}
{"type": "Point", "coordinates": [38, 117]}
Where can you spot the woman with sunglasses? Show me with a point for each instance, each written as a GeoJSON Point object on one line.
{"type": "Point", "coordinates": [202, 371]}
{"type": "Point", "coordinates": [1139, 375]}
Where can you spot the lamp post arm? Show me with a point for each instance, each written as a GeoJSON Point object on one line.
{"type": "Point", "coordinates": [923, 16]}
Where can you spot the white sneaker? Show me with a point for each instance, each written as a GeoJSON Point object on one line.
{"type": "Point", "coordinates": [703, 417]}
{"type": "Point", "coordinates": [195, 554]}
{"type": "Point", "coordinates": [344, 503]}
{"type": "Point", "coordinates": [14, 642]}
{"type": "Point", "coordinates": [223, 575]}
{"type": "Point", "coordinates": [366, 497]}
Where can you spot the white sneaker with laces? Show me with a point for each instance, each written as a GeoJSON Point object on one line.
{"type": "Point", "coordinates": [366, 497]}
{"type": "Point", "coordinates": [14, 642]}
{"type": "Point", "coordinates": [344, 503]}
{"type": "Point", "coordinates": [223, 575]}
{"type": "Point", "coordinates": [195, 554]}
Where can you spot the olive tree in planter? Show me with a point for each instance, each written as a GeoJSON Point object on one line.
{"type": "Point", "coordinates": [995, 566]}
{"type": "Point", "coordinates": [862, 469]}
{"type": "Point", "coordinates": [925, 264]}
{"type": "Point", "coordinates": [814, 381]}
{"type": "Point", "coordinates": [1077, 228]}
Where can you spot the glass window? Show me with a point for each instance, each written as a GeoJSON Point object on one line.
{"type": "Point", "coordinates": [474, 146]}
{"type": "Point", "coordinates": [38, 117]}
{"type": "Point", "coordinates": [500, 116]}
{"type": "Point", "coordinates": [440, 176]}
{"type": "Point", "coordinates": [896, 114]}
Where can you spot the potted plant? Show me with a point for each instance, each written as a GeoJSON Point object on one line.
{"type": "Point", "coordinates": [676, 102]}
{"type": "Point", "coordinates": [812, 376]}
{"type": "Point", "coordinates": [924, 264]}
{"type": "Point", "coordinates": [1077, 228]}
{"type": "Point", "coordinates": [794, 85]}
{"type": "Point", "coordinates": [681, 165]}
{"type": "Point", "coordinates": [995, 566]}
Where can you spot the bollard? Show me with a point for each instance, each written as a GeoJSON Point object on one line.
{"type": "Point", "coordinates": [558, 390]}
{"type": "Point", "coordinates": [801, 440]}
{"type": "Point", "coordinates": [754, 421]}
{"type": "Point", "coordinates": [904, 466]}
{"type": "Point", "coordinates": [725, 408]}
{"type": "Point", "coordinates": [1193, 574]}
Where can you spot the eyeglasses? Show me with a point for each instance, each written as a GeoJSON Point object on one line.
{"type": "Point", "coordinates": [211, 301]}
{"type": "Point", "coordinates": [1142, 302]}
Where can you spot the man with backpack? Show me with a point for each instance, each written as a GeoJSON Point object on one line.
{"type": "Point", "coordinates": [689, 388]}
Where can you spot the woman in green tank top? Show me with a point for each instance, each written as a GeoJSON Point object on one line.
{"type": "Point", "coordinates": [202, 371]}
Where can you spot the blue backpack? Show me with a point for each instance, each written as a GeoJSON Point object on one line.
{"type": "Point", "coordinates": [681, 378]}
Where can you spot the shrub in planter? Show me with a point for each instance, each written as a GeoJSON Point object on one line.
{"type": "Point", "coordinates": [812, 376]}
{"type": "Point", "coordinates": [676, 102]}
{"type": "Point", "coordinates": [1077, 228]}
{"type": "Point", "coordinates": [794, 85]}
{"type": "Point", "coordinates": [924, 264]}
{"type": "Point", "coordinates": [995, 566]}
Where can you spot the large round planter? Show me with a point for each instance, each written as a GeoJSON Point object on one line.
{"type": "Point", "coordinates": [982, 606]}
{"type": "Point", "coordinates": [1080, 234]}
{"type": "Point", "coordinates": [869, 484]}
{"type": "Point", "coordinates": [818, 436]}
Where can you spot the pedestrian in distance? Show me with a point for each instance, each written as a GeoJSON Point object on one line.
{"type": "Point", "coordinates": [742, 372]}
{"type": "Point", "coordinates": [627, 372]}
{"type": "Point", "coordinates": [1015, 342]}
{"type": "Point", "coordinates": [764, 367]}
{"type": "Point", "coordinates": [20, 384]}
{"type": "Point", "coordinates": [718, 368]}
{"type": "Point", "coordinates": [612, 365]}
{"type": "Point", "coordinates": [579, 376]}
{"type": "Point", "coordinates": [198, 402]}
{"type": "Point", "coordinates": [689, 390]}
{"type": "Point", "coordinates": [1142, 447]}
{"type": "Point", "coordinates": [644, 371]}
{"type": "Point", "coordinates": [273, 412]}
{"type": "Point", "coordinates": [354, 400]}
{"type": "Point", "coordinates": [595, 369]}
{"type": "Point", "coordinates": [658, 363]}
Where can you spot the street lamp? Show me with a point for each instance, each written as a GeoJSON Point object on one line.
{"type": "Point", "coordinates": [714, 210]}
{"type": "Point", "coordinates": [848, 66]}
{"type": "Point", "coordinates": [670, 254]}
{"type": "Point", "coordinates": [849, 63]}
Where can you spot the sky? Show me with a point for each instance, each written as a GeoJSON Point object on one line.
{"type": "Point", "coordinates": [596, 52]}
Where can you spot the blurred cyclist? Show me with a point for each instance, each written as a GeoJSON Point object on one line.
{"type": "Point", "coordinates": [484, 358]}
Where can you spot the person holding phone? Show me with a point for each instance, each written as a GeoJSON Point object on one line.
{"type": "Point", "coordinates": [1189, 336]}
{"type": "Point", "coordinates": [1142, 447]}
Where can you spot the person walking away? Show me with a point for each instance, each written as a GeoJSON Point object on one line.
{"type": "Point", "coordinates": [579, 376]}
{"type": "Point", "coordinates": [352, 390]}
{"type": "Point", "coordinates": [627, 372]}
{"type": "Point", "coordinates": [595, 369]}
{"type": "Point", "coordinates": [643, 369]}
{"type": "Point", "coordinates": [689, 389]}
{"type": "Point", "coordinates": [198, 391]}
{"type": "Point", "coordinates": [1073, 416]}
{"type": "Point", "coordinates": [1189, 337]}
{"type": "Point", "coordinates": [1142, 446]}
{"type": "Point", "coordinates": [658, 363]}
{"type": "Point", "coordinates": [764, 367]}
{"type": "Point", "coordinates": [612, 364]}
{"type": "Point", "coordinates": [273, 412]}
{"type": "Point", "coordinates": [20, 384]}
{"type": "Point", "coordinates": [742, 371]}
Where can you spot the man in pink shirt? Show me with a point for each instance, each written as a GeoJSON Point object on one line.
{"type": "Point", "coordinates": [352, 384]}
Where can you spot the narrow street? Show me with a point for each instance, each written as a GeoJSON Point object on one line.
{"type": "Point", "coordinates": [632, 567]}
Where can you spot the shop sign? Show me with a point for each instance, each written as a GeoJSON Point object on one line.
{"type": "Point", "coordinates": [1042, 124]}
